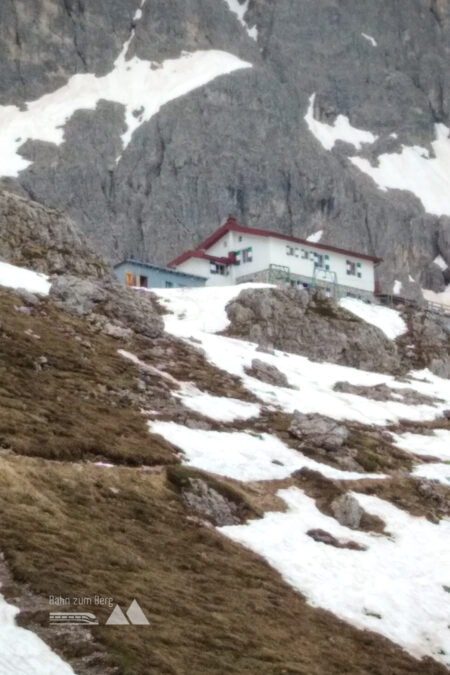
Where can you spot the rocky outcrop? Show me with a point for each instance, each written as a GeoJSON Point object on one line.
{"type": "Point", "coordinates": [347, 511]}
{"type": "Point", "coordinates": [44, 240]}
{"type": "Point", "coordinates": [210, 504]}
{"type": "Point", "coordinates": [267, 373]}
{"type": "Point", "coordinates": [312, 325]}
{"type": "Point", "coordinates": [317, 430]}
{"type": "Point", "coordinates": [427, 342]}
{"type": "Point", "coordinates": [240, 144]}
{"type": "Point", "coordinates": [381, 392]}
{"type": "Point", "coordinates": [113, 309]}
{"type": "Point", "coordinates": [325, 537]}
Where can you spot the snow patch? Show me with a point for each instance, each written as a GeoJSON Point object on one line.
{"type": "Point", "coordinates": [244, 456]}
{"type": "Point", "coordinates": [414, 170]}
{"type": "Point", "coordinates": [436, 445]}
{"type": "Point", "coordinates": [220, 408]}
{"type": "Point", "coordinates": [315, 237]}
{"type": "Point", "coordinates": [438, 472]}
{"type": "Point", "coordinates": [340, 130]}
{"type": "Point", "coordinates": [201, 308]}
{"type": "Point", "coordinates": [386, 319]}
{"type": "Point", "coordinates": [19, 277]}
{"type": "Point", "coordinates": [240, 9]}
{"type": "Point", "coordinates": [397, 287]}
{"type": "Point", "coordinates": [370, 39]}
{"type": "Point", "coordinates": [21, 651]}
{"type": "Point", "coordinates": [142, 87]}
{"type": "Point", "coordinates": [440, 262]}
{"type": "Point", "coordinates": [394, 588]}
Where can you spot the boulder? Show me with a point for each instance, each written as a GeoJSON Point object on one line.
{"type": "Point", "coordinates": [114, 309]}
{"type": "Point", "coordinates": [209, 503]}
{"type": "Point", "coordinates": [317, 430]}
{"type": "Point", "coordinates": [347, 511]}
{"type": "Point", "coordinates": [268, 373]}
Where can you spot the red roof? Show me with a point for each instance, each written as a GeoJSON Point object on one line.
{"type": "Point", "coordinates": [233, 226]}
{"type": "Point", "coordinates": [197, 253]}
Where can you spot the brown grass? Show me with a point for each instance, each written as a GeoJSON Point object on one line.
{"type": "Point", "coordinates": [214, 607]}
{"type": "Point", "coordinates": [73, 529]}
{"type": "Point", "coordinates": [74, 407]}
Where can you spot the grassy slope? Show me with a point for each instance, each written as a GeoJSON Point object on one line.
{"type": "Point", "coordinates": [73, 529]}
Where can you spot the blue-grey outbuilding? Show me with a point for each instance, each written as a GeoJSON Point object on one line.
{"type": "Point", "coordinates": [145, 275]}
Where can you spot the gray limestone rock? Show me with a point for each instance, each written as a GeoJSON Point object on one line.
{"type": "Point", "coordinates": [267, 373]}
{"type": "Point", "coordinates": [312, 325]}
{"type": "Point", "coordinates": [240, 144]}
{"type": "Point", "coordinates": [318, 430]}
{"type": "Point", "coordinates": [209, 503]}
{"type": "Point", "coordinates": [347, 511]}
{"type": "Point", "coordinates": [114, 309]}
{"type": "Point", "coordinates": [44, 240]}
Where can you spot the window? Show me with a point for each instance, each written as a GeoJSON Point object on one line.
{"type": "Point", "coordinates": [290, 250]}
{"type": "Point", "coordinates": [240, 238]}
{"type": "Point", "coordinates": [169, 284]}
{"type": "Point", "coordinates": [247, 255]}
{"type": "Point", "coordinates": [351, 268]}
{"type": "Point", "coordinates": [305, 254]}
{"type": "Point", "coordinates": [218, 268]}
{"type": "Point", "coordinates": [143, 281]}
{"type": "Point", "coordinates": [318, 260]}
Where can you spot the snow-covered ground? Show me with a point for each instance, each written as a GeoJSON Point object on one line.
{"type": "Point", "coordinates": [24, 653]}
{"type": "Point", "coordinates": [395, 587]}
{"type": "Point", "coordinates": [199, 309]}
{"type": "Point", "coordinates": [388, 320]}
{"type": "Point", "coordinates": [143, 87]}
{"type": "Point", "coordinates": [244, 455]}
{"type": "Point", "coordinates": [200, 312]}
{"type": "Point", "coordinates": [12, 276]}
{"type": "Point", "coordinates": [436, 445]}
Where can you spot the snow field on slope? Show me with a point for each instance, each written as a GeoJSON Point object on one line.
{"type": "Point", "coordinates": [137, 84]}
{"type": "Point", "coordinates": [395, 587]}
{"type": "Point", "coordinates": [15, 277]}
{"type": "Point", "coordinates": [386, 319]}
{"type": "Point", "coordinates": [24, 653]}
{"type": "Point", "coordinates": [199, 312]}
{"type": "Point", "coordinates": [413, 169]}
{"type": "Point", "coordinates": [244, 455]}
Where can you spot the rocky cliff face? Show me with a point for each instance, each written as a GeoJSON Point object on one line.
{"type": "Point", "coordinates": [44, 240]}
{"type": "Point", "coordinates": [149, 164]}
